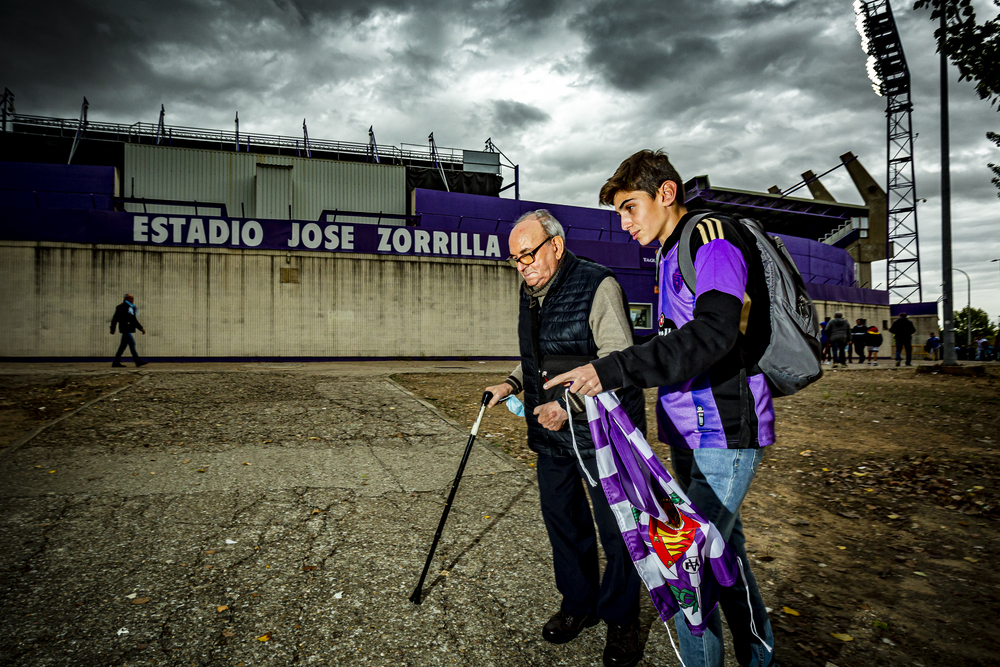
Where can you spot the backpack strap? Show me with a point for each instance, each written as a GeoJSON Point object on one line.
{"type": "Point", "coordinates": [685, 262]}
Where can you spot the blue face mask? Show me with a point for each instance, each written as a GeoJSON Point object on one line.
{"type": "Point", "coordinates": [515, 405]}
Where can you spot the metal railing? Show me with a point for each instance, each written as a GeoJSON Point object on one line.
{"type": "Point", "coordinates": [147, 133]}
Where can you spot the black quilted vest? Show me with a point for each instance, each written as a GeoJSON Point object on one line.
{"type": "Point", "coordinates": [564, 330]}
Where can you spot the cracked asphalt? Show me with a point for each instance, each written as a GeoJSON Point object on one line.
{"type": "Point", "coordinates": [272, 516]}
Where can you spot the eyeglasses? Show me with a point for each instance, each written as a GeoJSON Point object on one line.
{"type": "Point", "coordinates": [527, 258]}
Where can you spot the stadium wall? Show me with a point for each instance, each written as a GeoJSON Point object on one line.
{"type": "Point", "coordinates": [212, 303]}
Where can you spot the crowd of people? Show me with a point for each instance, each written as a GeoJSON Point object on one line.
{"type": "Point", "coordinates": [844, 344]}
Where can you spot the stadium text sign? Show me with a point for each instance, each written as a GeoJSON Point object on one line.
{"type": "Point", "coordinates": [189, 231]}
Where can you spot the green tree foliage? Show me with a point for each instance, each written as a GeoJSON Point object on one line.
{"type": "Point", "coordinates": [995, 168]}
{"type": "Point", "coordinates": [974, 48]}
{"type": "Point", "coordinates": [981, 325]}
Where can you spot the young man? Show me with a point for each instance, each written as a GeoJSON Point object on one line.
{"type": "Point", "coordinates": [714, 406]}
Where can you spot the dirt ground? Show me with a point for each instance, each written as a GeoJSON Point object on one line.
{"type": "Point", "coordinates": [27, 402]}
{"type": "Point", "coordinates": [873, 524]}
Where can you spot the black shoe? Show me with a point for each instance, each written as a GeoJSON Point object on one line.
{"type": "Point", "coordinates": [563, 628]}
{"type": "Point", "coordinates": [117, 364]}
{"type": "Point", "coordinates": [140, 363]}
{"type": "Point", "coordinates": [622, 649]}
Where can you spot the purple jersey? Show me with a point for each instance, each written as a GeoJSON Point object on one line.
{"type": "Point", "coordinates": [705, 411]}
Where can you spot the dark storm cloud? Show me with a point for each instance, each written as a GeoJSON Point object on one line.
{"type": "Point", "coordinates": [512, 116]}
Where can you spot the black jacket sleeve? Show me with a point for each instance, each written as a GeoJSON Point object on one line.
{"type": "Point", "coordinates": [681, 354]}
{"type": "Point", "coordinates": [116, 320]}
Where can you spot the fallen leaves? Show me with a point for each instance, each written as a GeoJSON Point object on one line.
{"type": "Point", "coordinates": [221, 608]}
{"type": "Point", "coordinates": [228, 634]}
{"type": "Point", "coordinates": [141, 600]}
{"type": "Point", "coordinates": [842, 637]}
{"type": "Point", "coordinates": [265, 637]}
{"type": "Point", "coordinates": [790, 611]}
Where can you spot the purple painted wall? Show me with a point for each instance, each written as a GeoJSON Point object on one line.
{"type": "Point", "coordinates": [588, 232]}
{"type": "Point", "coordinates": [30, 185]}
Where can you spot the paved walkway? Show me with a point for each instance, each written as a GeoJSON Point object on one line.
{"type": "Point", "coordinates": [277, 515]}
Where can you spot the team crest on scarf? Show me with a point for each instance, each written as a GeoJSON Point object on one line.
{"type": "Point", "coordinates": [681, 556]}
{"type": "Point", "coordinates": [671, 540]}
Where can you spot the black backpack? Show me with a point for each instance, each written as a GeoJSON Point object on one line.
{"type": "Point", "coordinates": [792, 360]}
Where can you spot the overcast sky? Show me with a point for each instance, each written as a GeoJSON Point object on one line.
{"type": "Point", "coordinates": [750, 93]}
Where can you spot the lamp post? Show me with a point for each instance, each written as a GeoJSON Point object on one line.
{"type": "Point", "coordinates": [948, 335]}
{"type": "Point", "coordinates": [998, 266]}
{"type": "Point", "coordinates": [968, 308]}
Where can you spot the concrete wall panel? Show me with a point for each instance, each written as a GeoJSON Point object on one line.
{"type": "Point", "coordinates": [233, 303]}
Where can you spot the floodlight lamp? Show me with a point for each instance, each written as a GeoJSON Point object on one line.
{"type": "Point", "coordinates": [860, 19]}
{"type": "Point", "coordinates": [873, 75]}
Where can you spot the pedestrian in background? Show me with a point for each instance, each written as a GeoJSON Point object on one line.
{"type": "Point", "coordinates": [858, 334]}
{"type": "Point", "coordinates": [873, 340]}
{"type": "Point", "coordinates": [933, 347]}
{"type": "Point", "coordinates": [903, 330]}
{"type": "Point", "coordinates": [126, 318]}
{"type": "Point", "coordinates": [839, 333]}
{"type": "Point", "coordinates": [824, 342]}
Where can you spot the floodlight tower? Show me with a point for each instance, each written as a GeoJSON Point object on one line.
{"type": "Point", "coordinates": [890, 78]}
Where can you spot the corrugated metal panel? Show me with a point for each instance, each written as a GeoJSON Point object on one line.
{"type": "Point", "coordinates": [163, 172]}
{"type": "Point", "coordinates": [232, 303]}
{"type": "Point", "coordinates": [274, 191]}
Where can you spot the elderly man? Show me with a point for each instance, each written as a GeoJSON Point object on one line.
{"type": "Point", "coordinates": [572, 311]}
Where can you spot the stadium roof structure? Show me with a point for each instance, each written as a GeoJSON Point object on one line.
{"type": "Point", "coordinates": [805, 218]}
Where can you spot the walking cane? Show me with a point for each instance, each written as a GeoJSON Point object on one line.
{"type": "Point", "coordinates": [415, 598]}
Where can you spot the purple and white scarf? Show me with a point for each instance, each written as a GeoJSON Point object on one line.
{"type": "Point", "coordinates": [681, 556]}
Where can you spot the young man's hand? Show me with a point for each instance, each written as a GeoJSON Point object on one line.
{"type": "Point", "coordinates": [143, 331]}
{"type": "Point", "coordinates": [551, 415]}
{"type": "Point", "coordinates": [582, 380]}
{"type": "Point", "coordinates": [500, 392]}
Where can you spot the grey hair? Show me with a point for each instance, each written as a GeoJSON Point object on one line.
{"type": "Point", "coordinates": [549, 223]}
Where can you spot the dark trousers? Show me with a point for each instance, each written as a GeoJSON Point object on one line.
{"type": "Point", "coordinates": [570, 525]}
{"type": "Point", "coordinates": [129, 341]}
{"type": "Point", "coordinates": [908, 346]}
{"type": "Point", "coordinates": [859, 349]}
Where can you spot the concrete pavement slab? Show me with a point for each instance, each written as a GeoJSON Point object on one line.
{"type": "Point", "coordinates": [307, 555]}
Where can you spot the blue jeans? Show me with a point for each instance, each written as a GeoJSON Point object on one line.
{"type": "Point", "coordinates": [129, 341]}
{"type": "Point", "coordinates": [838, 351]}
{"type": "Point", "coordinates": [716, 481]}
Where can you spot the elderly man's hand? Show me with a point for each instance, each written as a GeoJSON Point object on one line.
{"type": "Point", "coordinates": [551, 415]}
{"type": "Point", "coordinates": [500, 392]}
{"type": "Point", "coordinates": [582, 380]}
